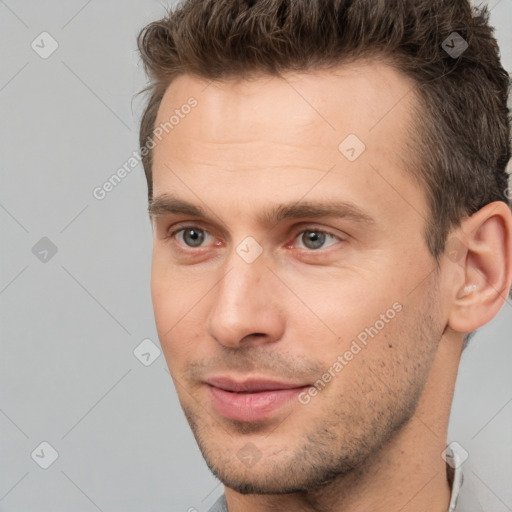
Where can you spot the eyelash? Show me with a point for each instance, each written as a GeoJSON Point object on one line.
{"type": "Point", "coordinates": [173, 234]}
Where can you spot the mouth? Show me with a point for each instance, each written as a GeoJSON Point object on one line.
{"type": "Point", "coordinates": [252, 399]}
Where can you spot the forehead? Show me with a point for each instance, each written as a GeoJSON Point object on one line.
{"type": "Point", "coordinates": [307, 110]}
{"type": "Point", "coordinates": [278, 134]}
{"type": "Point", "coordinates": [330, 97]}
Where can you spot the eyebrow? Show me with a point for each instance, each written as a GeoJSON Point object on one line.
{"type": "Point", "coordinates": [167, 204]}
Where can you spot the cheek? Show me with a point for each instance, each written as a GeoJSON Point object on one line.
{"type": "Point", "coordinates": [169, 298]}
{"type": "Point", "coordinates": [177, 305]}
{"type": "Point", "coordinates": [344, 302]}
{"type": "Point", "coordinates": [355, 325]}
{"type": "Point", "coordinates": [172, 290]}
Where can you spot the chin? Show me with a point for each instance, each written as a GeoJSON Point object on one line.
{"type": "Point", "coordinates": [275, 477]}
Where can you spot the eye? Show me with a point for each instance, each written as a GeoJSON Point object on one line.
{"type": "Point", "coordinates": [191, 237]}
{"type": "Point", "coordinates": [313, 239]}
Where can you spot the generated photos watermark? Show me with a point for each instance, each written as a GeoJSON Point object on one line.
{"type": "Point", "coordinates": [100, 192]}
{"type": "Point", "coordinates": [356, 346]}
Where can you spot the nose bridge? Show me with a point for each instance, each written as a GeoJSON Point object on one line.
{"type": "Point", "coordinates": [242, 288]}
{"type": "Point", "coordinates": [247, 273]}
{"type": "Point", "coordinates": [243, 304]}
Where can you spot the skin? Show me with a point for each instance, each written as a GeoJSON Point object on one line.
{"type": "Point", "coordinates": [372, 438]}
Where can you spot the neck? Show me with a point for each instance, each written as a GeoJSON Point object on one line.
{"type": "Point", "coordinates": [408, 474]}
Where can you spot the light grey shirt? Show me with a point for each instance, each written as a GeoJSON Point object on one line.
{"type": "Point", "coordinates": [462, 498]}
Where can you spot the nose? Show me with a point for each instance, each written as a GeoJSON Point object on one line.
{"type": "Point", "coordinates": [245, 306]}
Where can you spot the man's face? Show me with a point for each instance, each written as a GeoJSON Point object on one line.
{"type": "Point", "coordinates": [300, 315]}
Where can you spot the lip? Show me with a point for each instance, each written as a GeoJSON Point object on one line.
{"type": "Point", "coordinates": [251, 399]}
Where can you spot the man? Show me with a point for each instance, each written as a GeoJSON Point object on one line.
{"type": "Point", "coordinates": [327, 186]}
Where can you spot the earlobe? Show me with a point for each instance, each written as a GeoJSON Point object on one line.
{"type": "Point", "coordinates": [486, 264]}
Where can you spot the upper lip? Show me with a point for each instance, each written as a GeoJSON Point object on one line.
{"type": "Point", "coordinates": [251, 384]}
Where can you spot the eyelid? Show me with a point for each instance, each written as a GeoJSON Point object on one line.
{"type": "Point", "coordinates": [180, 226]}
{"type": "Point", "coordinates": [316, 229]}
{"type": "Point", "coordinates": [173, 230]}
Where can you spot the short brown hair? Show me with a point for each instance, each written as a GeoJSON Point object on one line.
{"type": "Point", "coordinates": [462, 132]}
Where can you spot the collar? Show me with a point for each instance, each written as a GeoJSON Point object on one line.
{"type": "Point", "coordinates": [454, 474]}
{"type": "Point", "coordinates": [462, 498]}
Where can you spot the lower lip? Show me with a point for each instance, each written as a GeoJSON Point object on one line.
{"type": "Point", "coordinates": [251, 406]}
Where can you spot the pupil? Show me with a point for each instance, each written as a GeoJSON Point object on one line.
{"type": "Point", "coordinates": [313, 239]}
{"type": "Point", "coordinates": [193, 237]}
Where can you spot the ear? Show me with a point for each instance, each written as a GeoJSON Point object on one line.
{"type": "Point", "coordinates": [482, 248]}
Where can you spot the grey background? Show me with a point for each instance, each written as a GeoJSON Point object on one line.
{"type": "Point", "coordinates": [70, 324]}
